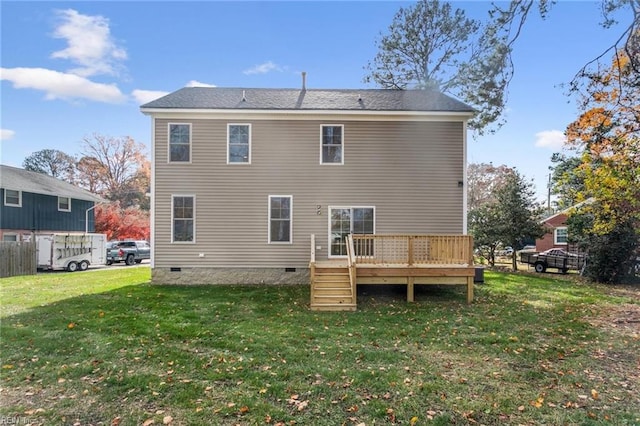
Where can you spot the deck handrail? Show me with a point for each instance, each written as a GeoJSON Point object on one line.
{"type": "Point", "coordinates": [351, 263]}
{"type": "Point", "coordinates": [411, 250]}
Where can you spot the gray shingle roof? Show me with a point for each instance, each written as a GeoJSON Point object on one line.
{"type": "Point", "coordinates": [310, 99]}
{"type": "Point", "coordinates": [38, 183]}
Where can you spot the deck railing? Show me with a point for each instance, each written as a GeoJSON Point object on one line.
{"type": "Point", "coordinates": [412, 250]}
{"type": "Point", "coordinates": [351, 263]}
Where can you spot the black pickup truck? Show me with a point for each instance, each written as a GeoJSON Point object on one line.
{"type": "Point", "coordinates": [129, 252]}
{"type": "Point", "coordinates": [554, 258]}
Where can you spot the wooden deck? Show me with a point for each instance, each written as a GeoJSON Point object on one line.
{"type": "Point", "coordinates": [391, 259]}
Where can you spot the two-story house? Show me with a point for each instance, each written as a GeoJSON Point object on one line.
{"type": "Point", "coordinates": [241, 178]}
{"type": "Point", "coordinates": [36, 203]}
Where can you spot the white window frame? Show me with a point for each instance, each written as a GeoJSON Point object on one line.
{"type": "Point", "coordinates": [229, 144]}
{"type": "Point", "coordinates": [68, 203]}
{"type": "Point", "coordinates": [169, 143]}
{"type": "Point", "coordinates": [15, 237]}
{"type": "Point", "coordinates": [375, 219]}
{"type": "Point", "coordinates": [322, 126]}
{"type": "Point", "coordinates": [173, 197]}
{"type": "Point", "coordinates": [11, 204]}
{"type": "Point", "coordinates": [555, 236]}
{"type": "Point", "coordinates": [290, 197]}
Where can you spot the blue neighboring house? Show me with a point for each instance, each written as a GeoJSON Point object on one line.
{"type": "Point", "coordinates": [34, 203]}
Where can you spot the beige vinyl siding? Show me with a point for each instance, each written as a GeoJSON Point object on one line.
{"type": "Point", "coordinates": [409, 171]}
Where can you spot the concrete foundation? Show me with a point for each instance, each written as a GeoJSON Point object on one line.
{"type": "Point", "coordinates": [226, 276]}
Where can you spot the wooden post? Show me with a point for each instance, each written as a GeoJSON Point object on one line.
{"type": "Point", "coordinates": [410, 284]}
{"type": "Point", "coordinates": [469, 289]}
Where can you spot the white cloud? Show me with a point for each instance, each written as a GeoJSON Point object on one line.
{"type": "Point", "coordinates": [196, 83]}
{"type": "Point", "coordinates": [263, 68]}
{"type": "Point", "coordinates": [89, 44]}
{"type": "Point", "coordinates": [144, 96]}
{"type": "Point", "coordinates": [552, 139]}
{"type": "Point", "coordinates": [58, 85]}
{"type": "Point", "coordinates": [6, 134]}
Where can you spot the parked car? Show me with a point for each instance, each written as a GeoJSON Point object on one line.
{"type": "Point", "coordinates": [129, 252]}
{"type": "Point", "coordinates": [507, 251]}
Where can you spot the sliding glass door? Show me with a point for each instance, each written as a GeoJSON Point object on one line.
{"type": "Point", "coordinates": [345, 221]}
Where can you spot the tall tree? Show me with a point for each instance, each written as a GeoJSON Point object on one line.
{"type": "Point", "coordinates": [485, 226]}
{"type": "Point", "coordinates": [117, 168]}
{"type": "Point", "coordinates": [431, 46]}
{"type": "Point", "coordinates": [518, 213]}
{"type": "Point", "coordinates": [51, 162]}
{"type": "Point", "coordinates": [567, 179]}
{"type": "Point", "coordinates": [483, 180]}
{"type": "Point", "coordinates": [607, 134]}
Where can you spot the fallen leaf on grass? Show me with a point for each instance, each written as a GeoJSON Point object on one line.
{"type": "Point", "coordinates": [167, 420]}
{"type": "Point", "coordinates": [538, 402]}
{"type": "Point", "coordinates": [413, 420]}
{"type": "Point", "coordinates": [148, 422]}
{"type": "Point", "coordinates": [594, 394]}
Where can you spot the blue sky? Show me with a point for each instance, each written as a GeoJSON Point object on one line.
{"type": "Point", "coordinates": [73, 69]}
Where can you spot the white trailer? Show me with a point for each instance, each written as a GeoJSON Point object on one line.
{"type": "Point", "coordinates": [72, 252]}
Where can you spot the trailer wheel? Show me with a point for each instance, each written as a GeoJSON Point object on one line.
{"type": "Point", "coordinates": [72, 267]}
{"type": "Point", "coordinates": [540, 267]}
{"type": "Point", "coordinates": [84, 265]}
{"type": "Point", "coordinates": [130, 260]}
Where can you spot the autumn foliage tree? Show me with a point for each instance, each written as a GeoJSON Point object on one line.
{"type": "Point", "coordinates": [116, 169]}
{"type": "Point", "coordinates": [120, 223]}
{"type": "Point", "coordinates": [607, 137]}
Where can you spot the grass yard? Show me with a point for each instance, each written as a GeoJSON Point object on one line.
{"type": "Point", "coordinates": [107, 348]}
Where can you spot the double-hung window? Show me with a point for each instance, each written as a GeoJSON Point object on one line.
{"type": "Point", "coordinates": [280, 218]}
{"type": "Point", "coordinates": [12, 198]}
{"type": "Point", "coordinates": [183, 218]}
{"type": "Point", "coordinates": [560, 236]}
{"type": "Point", "coordinates": [179, 143]}
{"type": "Point", "coordinates": [239, 144]}
{"type": "Point", "coordinates": [64, 204]}
{"type": "Point", "coordinates": [332, 144]}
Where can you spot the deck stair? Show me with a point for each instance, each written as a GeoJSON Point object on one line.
{"type": "Point", "coordinates": [331, 290]}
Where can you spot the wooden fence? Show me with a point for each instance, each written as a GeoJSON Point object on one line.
{"type": "Point", "coordinates": [17, 258]}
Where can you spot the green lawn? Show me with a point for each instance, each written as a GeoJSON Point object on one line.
{"type": "Point", "coordinates": [107, 348]}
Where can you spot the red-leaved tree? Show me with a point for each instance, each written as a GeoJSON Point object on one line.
{"type": "Point", "coordinates": [122, 223]}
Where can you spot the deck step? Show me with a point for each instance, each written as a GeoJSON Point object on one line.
{"type": "Point", "coordinates": [333, 307]}
{"type": "Point", "coordinates": [333, 291]}
{"type": "Point", "coordinates": [326, 270]}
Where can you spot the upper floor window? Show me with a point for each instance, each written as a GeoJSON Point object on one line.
{"type": "Point", "coordinates": [239, 144]}
{"type": "Point", "coordinates": [64, 204]}
{"type": "Point", "coordinates": [560, 236]}
{"type": "Point", "coordinates": [280, 222]}
{"type": "Point", "coordinates": [183, 216]}
{"type": "Point", "coordinates": [12, 198]}
{"type": "Point", "coordinates": [332, 144]}
{"type": "Point", "coordinates": [179, 143]}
